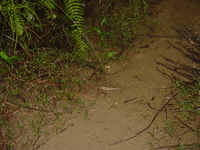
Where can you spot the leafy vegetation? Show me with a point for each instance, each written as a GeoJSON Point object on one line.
{"type": "Point", "coordinates": [22, 24]}
{"type": "Point", "coordinates": [43, 47]}
{"type": "Point", "coordinates": [190, 100]}
{"type": "Point", "coordinates": [37, 88]}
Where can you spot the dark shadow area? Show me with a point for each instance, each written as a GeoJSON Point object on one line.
{"type": "Point", "coordinates": [184, 70]}
{"type": "Point", "coordinates": [189, 47]}
{"type": "Point", "coordinates": [190, 43]}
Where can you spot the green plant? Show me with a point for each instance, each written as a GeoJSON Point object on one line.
{"type": "Point", "coordinates": [22, 24]}
{"type": "Point", "coordinates": [170, 127]}
{"type": "Point", "coordinates": [140, 7]}
{"type": "Point", "coordinates": [153, 134]}
{"type": "Point", "coordinates": [123, 25]}
{"type": "Point", "coordinates": [38, 91]}
{"type": "Point", "coordinates": [8, 59]}
{"type": "Point", "coordinates": [101, 32]}
{"type": "Point", "coordinates": [189, 96]}
{"type": "Point", "coordinates": [74, 11]}
{"type": "Point", "coordinates": [189, 103]}
{"type": "Point", "coordinates": [17, 16]}
{"type": "Point", "coordinates": [108, 55]}
{"type": "Point", "coordinates": [153, 138]}
{"type": "Point", "coordinates": [44, 92]}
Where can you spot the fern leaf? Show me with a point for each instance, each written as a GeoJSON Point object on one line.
{"type": "Point", "coordinates": [74, 11]}
{"type": "Point", "coordinates": [49, 6]}
{"type": "Point", "coordinates": [17, 23]}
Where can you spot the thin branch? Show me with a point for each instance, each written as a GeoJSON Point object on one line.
{"type": "Point", "coordinates": [172, 146]}
{"type": "Point", "coordinates": [127, 139]}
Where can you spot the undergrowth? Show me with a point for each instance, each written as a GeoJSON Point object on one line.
{"type": "Point", "coordinates": [44, 69]}
{"type": "Point", "coordinates": [118, 26]}
{"type": "Point", "coordinates": [37, 96]}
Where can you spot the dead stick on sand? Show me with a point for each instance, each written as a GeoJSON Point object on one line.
{"type": "Point", "coordinates": [118, 142]}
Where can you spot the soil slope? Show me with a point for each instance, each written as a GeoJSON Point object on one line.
{"type": "Point", "coordinates": [138, 86]}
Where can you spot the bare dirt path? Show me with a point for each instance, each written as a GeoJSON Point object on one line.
{"type": "Point", "coordinates": [143, 79]}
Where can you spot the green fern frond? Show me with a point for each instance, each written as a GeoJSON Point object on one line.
{"type": "Point", "coordinates": [16, 23]}
{"type": "Point", "coordinates": [10, 9]}
{"type": "Point", "coordinates": [49, 6]}
{"type": "Point", "coordinates": [74, 11]}
{"type": "Point", "coordinates": [18, 16]}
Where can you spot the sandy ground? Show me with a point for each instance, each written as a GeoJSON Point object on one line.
{"type": "Point", "coordinates": [141, 83]}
